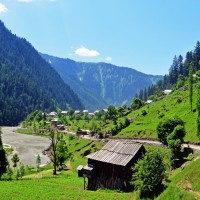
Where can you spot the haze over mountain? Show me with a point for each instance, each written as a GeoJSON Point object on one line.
{"type": "Point", "coordinates": [101, 84]}
{"type": "Point", "coordinates": [28, 82]}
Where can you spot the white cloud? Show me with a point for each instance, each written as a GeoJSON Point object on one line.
{"type": "Point", "coordinates": [84, 52]}
{"type": "Point", "coordinates": [3, 8]}
{"type": "Point", "coordinates": [108, 58]}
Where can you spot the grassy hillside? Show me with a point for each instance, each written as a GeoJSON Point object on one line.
{"type": "Point", "coordinates": [65, 186]}
{"type": "Point", "coordinates": [175, 104]}
{"type": "Point", "coordinates": [184, 183]}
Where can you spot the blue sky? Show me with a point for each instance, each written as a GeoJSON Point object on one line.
{"type": "Point", "coordinates": [142, 34]}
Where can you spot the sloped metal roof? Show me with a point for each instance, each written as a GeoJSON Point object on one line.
{"type": "Point", "coordinates": [116, 152]}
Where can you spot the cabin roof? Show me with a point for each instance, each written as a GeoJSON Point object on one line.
{"type": "Point", "coordinates": [117, 152]}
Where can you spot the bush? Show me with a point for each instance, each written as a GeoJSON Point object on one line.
{"type": "Point", "coordinates": [149, 174]}
{"type": "Point", "coordinates": [166, 127]}
{"type": "Point", "coordinates": [137, 103]}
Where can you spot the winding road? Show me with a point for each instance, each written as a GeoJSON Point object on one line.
{"type": "Point", "coordinates": [26, 146]}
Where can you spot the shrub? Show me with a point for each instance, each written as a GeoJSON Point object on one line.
{"type": "Point", "coordinates": [149, 174]}
{"type": "Point", "coordinates": [166, 127]}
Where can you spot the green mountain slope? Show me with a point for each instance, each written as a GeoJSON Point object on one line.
{"type": "Point", "coordinates": [175, 104]}
{"type": "Point", "coordinates": [184, 183]}
{"type": "Point", "coordinates": [105, 84]}
{"type": "Point", "coordinates": [91, 100]}
{"type": "Point", "coordinates": [28, 82]}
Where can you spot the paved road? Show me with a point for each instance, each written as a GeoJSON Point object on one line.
{"type": "Point", "coordinates": [27, 146]}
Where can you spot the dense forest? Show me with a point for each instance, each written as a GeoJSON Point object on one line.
{"type": "Point", "coordinates": [178, 72]}
{"type": "Point", "coordinates": [28, 82]}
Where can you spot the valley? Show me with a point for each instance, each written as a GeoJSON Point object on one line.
{"type": "Point", "coordinates": [108, 131]}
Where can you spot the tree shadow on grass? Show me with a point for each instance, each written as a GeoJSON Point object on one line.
{"type": "Point", "coordinates": [153, 195]}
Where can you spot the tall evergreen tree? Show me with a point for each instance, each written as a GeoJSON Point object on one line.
{"type": "Point", "coordinates": [141, 94]}
{"type": "Point", "coordinates": [180, 64]}
{"type": "Point", "coordinates": [198, 111]}
{"type": "Point", "coordinates": [3, 160]}
{"type": "Point", "coordinates": [173, 71]}
{"type": "Point", "coordinates": [190, 78]}
{"type": "Point", "coordinates": [145, 94]}
{"type": "Point", "coordinates": [196, 57]}
{"type": "Point", "coordinates": [188, 60]}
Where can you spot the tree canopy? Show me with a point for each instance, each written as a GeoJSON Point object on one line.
{"type": "Point", "coordinates": [149, 173]}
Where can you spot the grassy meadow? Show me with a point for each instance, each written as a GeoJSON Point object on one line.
{"type": "Point", "coordinates": [67, 184]}
{"type": "Point", "coordinates": [175, 104]}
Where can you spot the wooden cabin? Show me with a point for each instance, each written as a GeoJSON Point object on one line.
{"type": "Point", "coordinates": [111, 166]}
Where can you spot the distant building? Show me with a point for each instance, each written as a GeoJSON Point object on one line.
{"type": "Point", "coordinates": [166, 92]}
{"type": "Point", "coordinates": [53, 114]}
{"type": "Point", "coordinates": [85, 111]}
{"type": "Point", "coordinates": [54, 122]}
{"type": "Point", "coordinates": [60, 127]}
{"type": "Point", "coordinates": [77, 112]}
{"type": "Point", "coordinates": [111, 166]}
{"type": "Point", "coordinates": [91, 114]}
{"type": "Point", "coordinates": [149, 101]}
{"type": "Point", "coordinates": [64, 112]}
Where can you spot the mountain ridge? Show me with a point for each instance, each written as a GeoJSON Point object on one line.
{"type": "Point", "coordinates": [28, 82]}
{"type": "Point", "coordinates": [115, 85]}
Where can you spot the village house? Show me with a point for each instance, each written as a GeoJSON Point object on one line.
{"type": "Point", "coordinates": [77, 112]}
{"type": "Point", "coordinates": [96, 111]}
{"type": "Point", "coordinates": [52, 114]}
{"type": "Point", "coordinates": [54, 122]}
{"type": "Point", "coordinates": [166, 92]}
{"type": "Point", "coordinates": [91, 114]}
{"type": "Point", "coordinates": [149, 101]}
{"type": "Point", "coordinates": [85, 111]}
{"type": "Point", "coordinates": [64, 112]}
{"type": "Point", "coordinates": [111, 166]}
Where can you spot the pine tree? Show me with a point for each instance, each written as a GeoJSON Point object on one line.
{"type": "Point", "coordinates": [3, 160]}
{"type": "Point", "coordinates": [15, 159]}
{"type": "Point", "coordinates": [197, 56]}
{"type": "Point", "coordinates": [173, 71]}
{"type": "Point", "coordinates": [198, 112]}
{"type": "Point", "coordinates": [180, 64]}
{"type": "Point", "coordinates": [188, 60]}
{"type": "Point", "coordinates": [21, 170]}
{"type": "Point", "coordinates": [38, 162]}
{"type": "Point", "coordinates": [190, 78]}
{"type": "Point", "coordinates": [141, 94]}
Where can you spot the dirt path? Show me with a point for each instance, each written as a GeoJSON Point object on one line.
{"type": "Point", "coordinates": [27, 146]}
{"type": "Point", "coordinates": [152, 142]}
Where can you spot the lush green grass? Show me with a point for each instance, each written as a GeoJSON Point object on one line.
{"type": "Point", "coordinates": [32, 131]}
{"type": "Point", "coordinates": [175, 104]}
{"type": "Point", "coordinates": [26, 131]}
{"type": "Point", "coordinates": [79, 147]}
{"type": "Point", "coordinates": [183, 183]}
{"type": "Point", "coordinates": [67, 185]}
{"type": "Point", "coordinates": [64, 186]}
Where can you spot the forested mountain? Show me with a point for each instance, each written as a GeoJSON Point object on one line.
{"type": "Point", "coordinates": [28, 82]}
{"type": "Point", "coordinates": [102, 83]}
